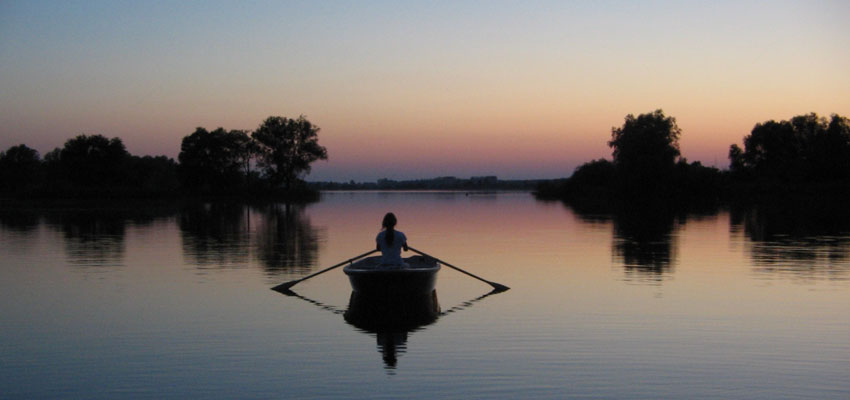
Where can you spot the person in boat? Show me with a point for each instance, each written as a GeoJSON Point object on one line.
{"type": "Point", "coordinates": [390, 242]}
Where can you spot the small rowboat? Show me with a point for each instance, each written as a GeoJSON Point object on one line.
{"type": "Point", "coordinates": [369, 277]}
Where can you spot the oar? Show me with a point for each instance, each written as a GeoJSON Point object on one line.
{"type": "Point", "coordinates": [496, 286]}
{"type": "Point", "coordinates": [284, 287]}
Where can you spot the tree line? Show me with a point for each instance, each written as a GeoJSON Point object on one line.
{"type": "Point", "coordinates": [270, 160]}
{"type": "Point", "coordinates": [808, 154]}
{"type": "Point", "coordinates": [475, 183]}
{"type": "Point", "coordinates": [807, 151]}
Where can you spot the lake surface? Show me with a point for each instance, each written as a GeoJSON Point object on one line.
{"type": "Point", "coordinates": [173, 301]}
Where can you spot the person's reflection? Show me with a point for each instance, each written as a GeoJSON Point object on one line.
{"type": "Point", "coordinates": [286, 240]}
{"type": "Point", "coordinates": [390, 344]}
{"type": "Point", "coordinates": [215, 234]}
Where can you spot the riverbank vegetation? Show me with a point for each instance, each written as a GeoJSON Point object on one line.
{"type": "Point", "coordinates": [270, 161]}
{"type": "Point", "coordinates": [807, 155]}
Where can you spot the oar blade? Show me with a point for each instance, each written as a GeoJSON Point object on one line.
{"type": "Point", "coordinates": [499, 288]}
{"type": "Point", "coordinates": [284, 287]}
{"type": "Point", "coordinates": [286, 292]}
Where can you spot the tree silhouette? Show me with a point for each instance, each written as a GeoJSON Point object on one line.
{"type": "Point", "coordinates": [286, 148]}
{"type": "Point", "coordinates": [153, 175]}
{"type": "Point", "coordinates": [214, 162]}
{"type": "Point", "coordinates": [595, 173]}
{"type": "Point", "coordinates": [830, 150]}
{"type": "Point", "coordinates": [773, 150]}
{"type": "Point", "coordinates": [806, 148]}
{"type": "Point", "coordinates": [646, 163]}
{"type": "Point", "coordinates": [645, 150]}
{"type": "Point", "coordinates": [90, 160]}
{"type": "Point", "coordinates": [19, 167]}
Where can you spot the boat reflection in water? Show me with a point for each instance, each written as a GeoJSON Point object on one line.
{"type": "Point", "coordinates": [391, 303]}
{"type": "Point", "coordinates": [391, 319]}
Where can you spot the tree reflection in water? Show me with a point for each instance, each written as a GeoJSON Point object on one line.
{"type": "Point", "coordinates": [18, 227]}
{"type": "Point", "coordinates": [20, 220]}
{"type": "Point", "coordinates": [215, 234]}
{"type": "Point", "coordinates": [799, 238]}
{"type": "Point", "coordinates": [94, 234]}
{"type": "Point", "coordinates": [645, 233]}
{"type": "Point", "coordinates": [286, 241]}
{"type": "Point", "coordinates": [92, 238]}
{"type": "Point", "coordinates": [643, 242]}
{"type": "Point", "coordinates": [229, 235]}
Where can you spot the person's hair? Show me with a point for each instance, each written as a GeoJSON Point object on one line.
{"type": "Point", "coordinates": [389, 223]}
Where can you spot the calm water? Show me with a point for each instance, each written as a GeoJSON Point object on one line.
{"type": "Point", "coordinates": [173, 301]}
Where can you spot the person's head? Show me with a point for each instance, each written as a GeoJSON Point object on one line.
{"type": "Point", "coordinates": [389, 224]}
{"type": "Point", "coordinates": [389, 221]}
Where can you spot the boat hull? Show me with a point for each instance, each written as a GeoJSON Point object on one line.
{"type": "Point", "coordinates": [369, 278]}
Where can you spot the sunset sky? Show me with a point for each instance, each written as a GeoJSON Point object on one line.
{"type": "Point", "coordinates": [403, 90]}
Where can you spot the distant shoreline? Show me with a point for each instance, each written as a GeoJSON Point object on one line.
{"type": "Point", "coordinates": [475, 183]}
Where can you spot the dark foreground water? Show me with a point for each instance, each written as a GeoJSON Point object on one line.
{"type": "Point", "coordinates": [173, 301]}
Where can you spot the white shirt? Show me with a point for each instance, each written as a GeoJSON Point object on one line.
{"type": "Point", "coordinates": [391, 255]}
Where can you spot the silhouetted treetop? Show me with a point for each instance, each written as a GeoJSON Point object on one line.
{"type": "Point", "coordinates": [215, 162]}
{"type": "Point", "coordinates": [90, 160]}
{"type": "Point", "coordinates": [806, 148]}
{"type": "Point", "coordinates": [220, 162]}
{"type": "Point", "coordinates": [648, 140]}
{"type": "Point", "coordinates": [19, 166]}
{"type": "Point", "coordinates": [20, 154]}
{"type": "Point", "coordinates": [646, 165]}
{"type": "Point", "coordinates": [153, 175]}
{"type": "Point", "coordinates": [599, 172]}
{"type": "Point", "coordinates": [645, 150]}
{"type": "Point", "coordinates": [286, 148]}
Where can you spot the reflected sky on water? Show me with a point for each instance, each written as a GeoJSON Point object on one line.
{"type": "Point", "coordinates": [172, 301]}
